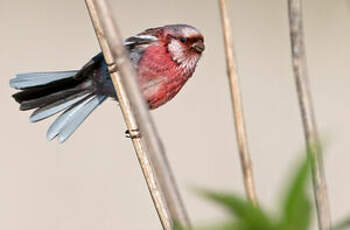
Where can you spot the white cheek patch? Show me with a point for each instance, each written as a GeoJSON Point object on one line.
{"type": "Point", "coordinates": [179, 55]}
{"type": "Point", "coordinates": [176, 51]}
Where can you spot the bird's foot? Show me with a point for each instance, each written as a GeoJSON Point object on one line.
{"type": "Point", "coordinates": [133, 134]}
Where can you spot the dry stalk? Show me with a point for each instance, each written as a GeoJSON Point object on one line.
{"type": "Point", "coordinates": [241, 133]}
{"type": "Point", "coordinates": [148, 147]}
{"type": "Point", "coordinates": [307, 113]}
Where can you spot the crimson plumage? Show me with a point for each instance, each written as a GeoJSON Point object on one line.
{"type": "Point", "coordinates": [168, 63]}
{"type": "Point", "coordinates": [164, 58]}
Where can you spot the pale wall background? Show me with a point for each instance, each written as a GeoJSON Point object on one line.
{"type": "Point", "coordinates": [94, 182]}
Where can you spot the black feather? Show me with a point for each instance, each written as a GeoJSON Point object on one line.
{"type": "Point", "coordinates": [59, 102]}
{"type": "Point", "coordinates": [48, 99]}
{"type": "Point", "coordinates": [42, 91]}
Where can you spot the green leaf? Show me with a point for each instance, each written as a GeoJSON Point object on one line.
{"type": "Point", "coordinates": [177, 226]}
{"type": "Point", "coordinates": [246, 215]}
{"type": "Point", "coordinates": [296, 213]}
{"type": "Point", "coordinates": [344, 225]}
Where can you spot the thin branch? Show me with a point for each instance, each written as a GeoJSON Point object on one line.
{"type": "Point", "coordinates": [241, 133]}
{"type": "Point", "coordinates": [307, 113]}
{"type": "Point", "coordinates": [148, 147]}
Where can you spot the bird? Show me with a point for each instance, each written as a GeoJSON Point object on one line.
{"type": "Point", "coordinates": [164, 59]}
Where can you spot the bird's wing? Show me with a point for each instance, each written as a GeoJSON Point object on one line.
{"type": "Point", "coordinates": [135, 45]}
{"type": "Point", "coordinates": [139, 39]}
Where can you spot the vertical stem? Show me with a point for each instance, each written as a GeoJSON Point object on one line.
{"type": "Point", "coordinates": [307, 113]}
{"type": "Point", "coordinates": [149, 149]}
{"type": "Point", "coordinates": [241, 133]}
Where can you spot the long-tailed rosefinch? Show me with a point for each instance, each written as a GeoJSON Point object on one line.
{"type": "Point", "coordinates": [164, 58]}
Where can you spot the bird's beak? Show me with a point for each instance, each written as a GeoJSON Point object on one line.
{"type": "Point", "coordinates": [198, 46]}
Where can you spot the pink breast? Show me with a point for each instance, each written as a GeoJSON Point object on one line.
{"type": "Point", "coordinates": [160, 78]}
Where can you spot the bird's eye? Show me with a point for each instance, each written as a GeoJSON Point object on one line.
{"type": "Point", "coordinates": [183, 40]}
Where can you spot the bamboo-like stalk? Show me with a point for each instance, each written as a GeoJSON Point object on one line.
{"type": "Point", "coordinates": [148, 146]}
{"type": "Point", "coordinates": [307, 113]}
{"type": "Point", "coordinates": [241, 133]}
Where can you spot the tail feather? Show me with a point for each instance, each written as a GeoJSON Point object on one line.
{"type": "Point", "coordinates": [48, 99]}
{"type": "Point", "coordinates": [59, 123]}
{"type": "Point", "coordinates": [43, 90]}
{"type": "Point", "coordinates": [69, 121]}
{"type": "Point", "coordinates": [53, 92]}
{"type": "Point", "coordinates": [75, 121]}
{"type": "Point", "coordinates": [27, 80]}
{"type": "Point", "coordinates": [52, 109]}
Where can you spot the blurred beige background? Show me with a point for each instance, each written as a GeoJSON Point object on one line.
{"type": "Point", "coordinates": [94, 182]}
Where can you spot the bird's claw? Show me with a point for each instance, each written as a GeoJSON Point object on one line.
{"type": "Point", "coordinates": [133, 134]}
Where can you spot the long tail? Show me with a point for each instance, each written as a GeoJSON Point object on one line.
{"type": "Point", "coordinates": [53, 92]}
